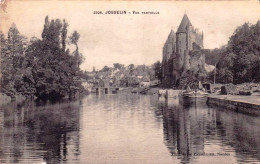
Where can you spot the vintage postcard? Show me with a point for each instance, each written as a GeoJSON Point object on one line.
{"type": "Point", "coordinates": [129, 82]}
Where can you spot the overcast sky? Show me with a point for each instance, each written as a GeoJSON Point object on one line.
{"type": "Point", "coordinates": [130, 39]}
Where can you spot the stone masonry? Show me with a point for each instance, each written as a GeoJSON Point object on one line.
{"type": "Point", "coordinates": [182, 51]}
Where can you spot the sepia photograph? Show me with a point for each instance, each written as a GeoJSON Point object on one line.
{"type": "Point", "coordinates": [129, 82]}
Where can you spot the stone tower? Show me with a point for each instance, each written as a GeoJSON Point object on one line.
{"type": "Point", "coordinates": [258, 26]}
{"type": "Point", "coordinates": [169, 48]}
{"type": "Point", "coordinates": [182, 48]}
{"type": "Point", "coordinates": [187, 38]}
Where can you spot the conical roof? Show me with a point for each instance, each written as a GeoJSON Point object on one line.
{"type": "Point", "coordinates": [184, 24]}
{"type": "Point", "coordinates": [170, 36]}
{"type": "Point", "coordinates": [258, 23]}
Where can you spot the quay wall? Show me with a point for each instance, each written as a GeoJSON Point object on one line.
{"type": "Point", "coordinates": [237, 106]}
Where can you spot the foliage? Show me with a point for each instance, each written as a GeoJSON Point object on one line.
{"type": "Point", "coordinates": [78, 57]}
{"type": "Point", "coordinates": [157, 66]}
{"type": "Point", "coordinates": [104, 69]}
{"type": "Point", "coordinates": [118, 66]}
{"type": "Point", "coordinates": [239, 63]}
{"type": "Point", "coordinates": [212, 57]}
{"type": "Point", "coordinates": [41, 67]}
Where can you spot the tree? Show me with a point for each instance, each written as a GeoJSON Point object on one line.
{"type": "Point", "coordinates": [105, 69]}
{"type": "Point", "coordinates": [6, 65]}
{"type": "Point", "coordinates": [64, 34]}
{"type": "Point", "coordinates": [158, 70]}
{"type": "Point", "coordinates": [118, 66]}
{"type": "Point", "coordinates": [12, 57]}
{"type": "Point", "coordinates": [46, 28]}
{"type": "Point", "coordinates": [41, 67]}
{"type": "Point", "coordinates": [74, 38]}
{"type": "Point", "coordinates": [15, 46]}
{"type": "Point", "coordinates": [212, 57]}
{"type": "Point", "coordinates": [244, 45]}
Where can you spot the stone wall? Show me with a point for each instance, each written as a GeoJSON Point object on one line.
{"type": "Point", "coordinates": [184, 51]}
{"type": "Point", "coordinates": [197, 60]}
{"type": "Point", "coordinates": [236, 106]}
{"type": "Point", "coordinates": [181, 43]}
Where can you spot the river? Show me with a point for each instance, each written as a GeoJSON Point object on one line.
{"type": "Point", "coordinates": [126, 128]}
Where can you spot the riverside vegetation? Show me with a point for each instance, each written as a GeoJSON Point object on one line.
{"type": "Point", "coordinates": [42, 68]}
{"type": "Point", "coordinates": [237, 62]}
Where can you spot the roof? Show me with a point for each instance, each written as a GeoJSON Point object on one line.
{"type": "Point", "coordinates": [258, 23]}
{"type": "Point", "coordinates": [170, 36]}
{"type": "Point", "coordinates": [185, 22]}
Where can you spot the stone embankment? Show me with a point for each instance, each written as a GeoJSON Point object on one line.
{"type": "Point", "coordinates": [237, 103]}
{"type": "Point", "coordinates": [241, 104]}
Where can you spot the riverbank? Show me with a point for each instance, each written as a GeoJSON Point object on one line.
{"type": "Point", "coordinates": [18, 98]}
{"type": "Point", "coordinates": [4, 99]}
{"type": "Point", "coordinates": [241, 104]}
{"type": "Point", "coordinates": [149, 91]}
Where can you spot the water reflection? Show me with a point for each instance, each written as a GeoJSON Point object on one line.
{"type": "Point", "coordinates": [45, 133]}
{"type": "Point", "coordinates": [193, 132]}
{"type": "Point", "coordinates": [127, 128]}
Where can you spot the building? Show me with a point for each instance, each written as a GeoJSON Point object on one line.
{"type": "Point", "coordinates": [145, 82]}
{"type": "Point", "coordinates": [182, 51]}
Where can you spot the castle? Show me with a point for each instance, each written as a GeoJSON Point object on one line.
{"type": "Point", "coordinates": [182, 51]}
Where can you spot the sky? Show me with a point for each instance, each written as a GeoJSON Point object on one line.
{"type": "Point", "coordinates": [131, 38]}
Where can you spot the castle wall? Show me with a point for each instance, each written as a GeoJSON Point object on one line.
{"type": "Point", "coordinates": [197, 60]}
{"type": "Point", "coordinates": [169, 50]}
{"type": "Point", "coordinates": [181, 43]}
{"type": "Point", "coordinates": [194, 37]}
{"type": "Point", "coordinates": [184, 51]}
{"type": "Point", "coordinates": [186, 65]}
{"type": "Point", "coordinates": [198, 39]}
{"type": "Point", "coordinates": [164, 60]}
{"type": "Point", "coordinates": [181, 46]}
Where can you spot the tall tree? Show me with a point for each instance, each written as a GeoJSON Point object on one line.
{"type": "Point", "coordinates": [15, 46]}
{"type": "Point", "coordinates": [74, 38]}
{"type": "Point", "coordinates": [64, 34]}
{"type": "Point", "coordinates": [45, 28]}
{"type": "Point", "coordinates": [158, 70]}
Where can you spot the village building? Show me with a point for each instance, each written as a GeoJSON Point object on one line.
{"type": "Point", "coordinates": [145, 82]}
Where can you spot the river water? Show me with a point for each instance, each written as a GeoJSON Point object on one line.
{"type": "Point", "coordinates": [126, 128]}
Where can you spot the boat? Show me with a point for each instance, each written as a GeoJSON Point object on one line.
{"type": "Point", "coordinates": [194, 94]}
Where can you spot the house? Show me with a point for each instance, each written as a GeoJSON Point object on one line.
{"type": "Point", "coordinates": [145, 82]}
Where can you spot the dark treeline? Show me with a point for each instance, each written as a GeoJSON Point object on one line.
{"type": "Point", "coordinates": [239, 60]}
{"type": "Point", "coordinates": [44, 68]}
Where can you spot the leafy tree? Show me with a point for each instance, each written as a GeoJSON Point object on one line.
{"type": "Point", "coordinates": [131, 68]}
{"type": "Point", "coordinates": [157, 66]}
{"type": "Point", "coordinates": [12, 57]}
{"type": "Point", "coordinates": [118, 66]}
{"type": "Point", "coordinates": [239, 61]}
{"type": "Point", "coordinates": [15, 46]}
{"type": "Point", "coordinates": [41, 67]}
{"type": "Point", "coordinates": [212, 57]}
{"type": "Point", "coordinates": [104, 69]}
{"type": "Point", "coordinates": [64, 34]}
{"type": "Point", "coordinates": [244, 45]}
{"type": "Point", "coordinates": [74, 38]}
